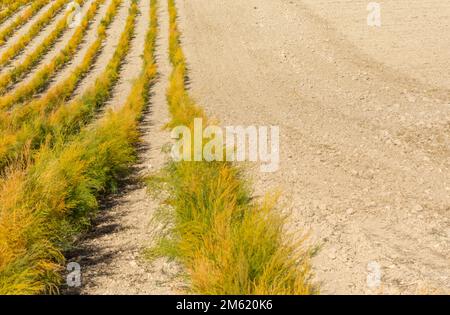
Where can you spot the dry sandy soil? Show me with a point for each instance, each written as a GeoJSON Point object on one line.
{"type": "Point", "coordinates": [364, 115]}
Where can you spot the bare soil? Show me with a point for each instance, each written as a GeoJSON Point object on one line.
{"type": "Point", "coordinates": [364, 116]}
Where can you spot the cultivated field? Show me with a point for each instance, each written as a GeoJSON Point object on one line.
{"type": "Point", "coordinates": [91, 92]}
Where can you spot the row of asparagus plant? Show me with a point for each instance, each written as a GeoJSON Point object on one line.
{"type": "Point", "coordinates": [29, 125]}
{"type": "Point", "coordinates": [56, 192]}
{"type": "Point", "coordinates": [43, 76]}
{"type": "Point", "coordinates": [26, 64]}
{"type": "Point", "coordinates": [20, 44]}
{"type": "Point", "coordinates": [24, 17]}
{"type": "Point", "coordinates": [10, 7]}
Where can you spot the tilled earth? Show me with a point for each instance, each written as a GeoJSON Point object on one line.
{"type": "Point", "coordinates": [364, 115]}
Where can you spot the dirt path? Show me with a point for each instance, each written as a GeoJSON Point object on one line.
{"type": "Point", "coordinates": [365, 138]}
{"type": "Point", "coordinates": [111, 255]}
